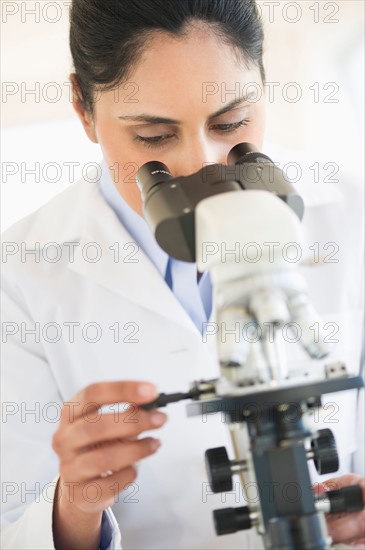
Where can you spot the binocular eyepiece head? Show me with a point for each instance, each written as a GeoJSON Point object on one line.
{"type": "Point", "coordinates": [154, 172]}
{"type": "Point", "coordinates": [169, 202]}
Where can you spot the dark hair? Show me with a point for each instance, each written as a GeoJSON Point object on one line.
{"type": "Point", "coordinates": [107, 37]}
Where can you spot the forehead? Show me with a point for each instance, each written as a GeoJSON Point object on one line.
{"type": "Point", "coordinates": [199, 73]}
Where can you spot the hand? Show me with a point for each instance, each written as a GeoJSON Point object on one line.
{"type": "Point", "coordinates": [346, 528]}
{"type": "Point", "coordinates": [97, 455]}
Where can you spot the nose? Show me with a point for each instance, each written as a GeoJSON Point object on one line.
{"type": "Point", "coordinates": [198, 153]}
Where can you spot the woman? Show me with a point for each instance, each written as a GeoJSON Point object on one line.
{"type": "Point", "coordinates": [145, 73]}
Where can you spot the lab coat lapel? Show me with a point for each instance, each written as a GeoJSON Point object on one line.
{"type": "Point", "coordinates": [121, 266]}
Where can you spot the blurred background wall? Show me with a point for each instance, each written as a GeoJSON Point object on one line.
{"type": "Point", "coordinates": [315, 92]}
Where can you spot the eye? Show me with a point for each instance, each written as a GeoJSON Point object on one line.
{"type": "Point", "coordinates": [155, 142]}
{"type": "Point", "coordinates": [232, 127]}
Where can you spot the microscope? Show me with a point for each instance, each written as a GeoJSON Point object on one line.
{"type": "Point", "coordinates": [235, 221]}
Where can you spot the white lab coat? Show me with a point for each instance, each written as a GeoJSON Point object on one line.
{"type": "Point", "coordinates": [169, 505]}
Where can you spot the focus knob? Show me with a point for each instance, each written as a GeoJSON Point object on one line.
{"type": "Point", "coordinates": [325, 455]}
{"type": "Point", "coordinates": [346, 500]}
{"type": "Point", "coordinates": [218, 469]}
{"type": "Point", "coordinates": [231, 520]}
{"type": "Point", "coordinates": [341, 501]}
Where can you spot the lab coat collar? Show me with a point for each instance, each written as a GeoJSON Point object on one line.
{"type": "Point", "coordinates": [93, 226]}
{"type": "Point", "coordinates": [125, 269]}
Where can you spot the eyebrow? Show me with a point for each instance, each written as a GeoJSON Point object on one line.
{"type": "Point", "coordinates": [151, 119]}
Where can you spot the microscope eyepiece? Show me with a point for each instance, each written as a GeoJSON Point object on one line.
{"type": "Point", "coordinates": [151, 174]}
{"type": "Point", "coordinates": [246, 152]}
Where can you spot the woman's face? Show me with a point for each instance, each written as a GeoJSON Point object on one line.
{"type": "Point", "coordinates": [170, 110]}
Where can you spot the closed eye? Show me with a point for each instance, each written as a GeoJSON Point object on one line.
{"type": "Point", "coordinates": [159, 141]}
{"type": "Point", "coordinates": [233, 126]}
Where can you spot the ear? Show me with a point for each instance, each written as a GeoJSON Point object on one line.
{"type": "Point", "coordinates": [85, 117]}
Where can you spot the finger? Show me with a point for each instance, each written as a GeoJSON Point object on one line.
{"type": "Point", "coordinates": [359, 544]}
{"type": "Point", "coordinates": [92, 397]}
{"type": "Point", "coordinates": [319, 489]}
{"type": "Point", "coordinates": [98, 494]}
{"type": "Point", "coordinates": [113, 486]}
{"type": "Point", "coordinates": [344, 481]}
{"type": "Point", "coordinates": [112, 458]}
{"type": "Point", "coordinates": [79, 436]}
{"type": "Point", "coordinates": [348, 528]}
